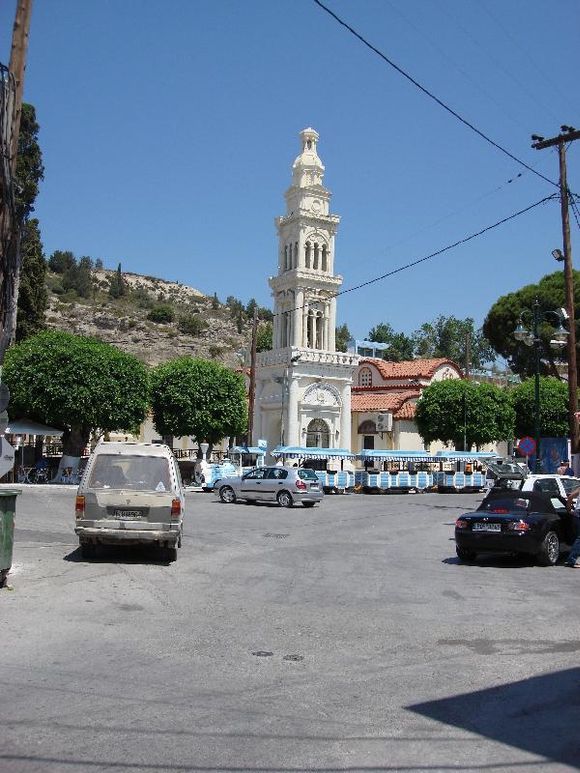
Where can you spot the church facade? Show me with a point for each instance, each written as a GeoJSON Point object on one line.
{"type": "Point", "coordinates": [303, 385]}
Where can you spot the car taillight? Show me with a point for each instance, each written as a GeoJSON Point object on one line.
{"type": "Point", "coordinates": [519, 526]}
{"type": "Point", "coordinates": [175, 508]}
{"type": "Point", "coordinates": [79, 507]}
{"type": "Point", "coordinates": [461, 524]}
{"type": "Point", "coordinates": [300, 485]}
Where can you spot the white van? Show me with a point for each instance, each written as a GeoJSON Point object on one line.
{"type": "Point", "coordinates": [130, 493]}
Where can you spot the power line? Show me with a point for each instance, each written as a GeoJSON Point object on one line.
{"type": "Point", "coordinates": [435, 254]}
{"type": "Point", "coordinates": [431, 95]}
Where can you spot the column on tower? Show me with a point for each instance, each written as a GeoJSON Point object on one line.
{"type": "Point", "coordinates": [292, 437]}
{"type": "Point", "coordinates": [298, 314]}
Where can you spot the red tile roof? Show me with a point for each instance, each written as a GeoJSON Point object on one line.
{"type": "Point", "coordinates": [409, 368]}
{"type": "Point", "coordinates": [362, 402]}
{"type": "Point", "coordinates": [406, 411]}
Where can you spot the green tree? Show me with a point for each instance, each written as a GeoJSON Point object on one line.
{"type": "Point", "coordinates": [553, 407]}
{"type": "Point", "coordinates": [192, 324]}
{"type": "Point", "coordinates": [116, 284]}
{"type": "Point", "coordinates": [264, 337]}
{"type": "Point", "coordinates": [29, 167]}
{"type": "Point", "coordinates": [32, 297]}
{"type": "Point", "coordinates": [506, 313]}
{"type": "Point", "coordinates": [77, 383]}
{"type": "Point", "coordinates": [451, 409]}
{"type": "Point", "coordinates": [197, 397]}
{"type": "Point", "coordinates": [449, 337]}
{"type": "Point", "coordinates": [400, 345]}
{"type": "Point", "coordinates": [342, 337]}
{"type": "Point", "coordinates": [250, 307]}
{"type": "Point", "coordinates": [61, 262]}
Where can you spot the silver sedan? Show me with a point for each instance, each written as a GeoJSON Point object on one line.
{"type": "Point", "coordinates": [284, 485]}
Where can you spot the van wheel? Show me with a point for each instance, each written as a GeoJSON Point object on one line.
{"type": "Point", "coordinates": [227, 495]}
{"type": "Point", "coordinates": [285, 499]}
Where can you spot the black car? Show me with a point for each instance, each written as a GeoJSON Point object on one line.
{"type": "Point", "coordinates": [515, 522]}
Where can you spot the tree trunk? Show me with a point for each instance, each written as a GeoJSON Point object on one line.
{"type": "Point", "coordinates": [74, 440]}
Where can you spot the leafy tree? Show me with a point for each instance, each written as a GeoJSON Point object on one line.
{"type": "Point", "coordinates": [342, 336]}
{"type": "Point", "coordinates": [264, 337]}
{"type": "Point", "coordinates": [32, 297]}
{"type": "Point", "coordinates": [400, 345]}
{"type": "Point", "coordinates": [77, 383]}
{"type": "Point", "coordinates": [265, 314]}
{"type": "Point", "coordinates": [553, 407]}
{"type": "Point", "coordinates": [162, 313]}
{"type": "Point", "coordinates": [250, 307]}
{"type": "Point", "coordinates": [60, 262]}
{"type": "Point", "coordinates": [215, 304]}
{"type": "Point", "coordinates": [29, 167]}
{"type": "Point", "coordinates": [450, 409]}
{"type": "Point", "coordinates": [505, 314]}
{"type": "Point", "coordinates": [449, 337]}
{"type": "Point", "coordinates": [117, 285]}
{"type": "Point", "coordinates": [200, 398]}
{"type": "Point", "coordinates": [78, 276]}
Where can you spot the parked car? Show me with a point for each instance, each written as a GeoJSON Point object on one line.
{"type": "Point", "coordinates": [285, 485]}
{"type": "Point", "coordinates": [510, 521]}
{"type": "Point", "coordinates": [130, 493]}
{"type": "Point", "coordinates": [554, 485]}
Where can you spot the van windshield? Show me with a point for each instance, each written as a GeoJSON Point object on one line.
{"type": "Point", "coordinates": [141, 473]}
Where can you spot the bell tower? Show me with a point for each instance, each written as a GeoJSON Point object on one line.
{"type": "Point", "coordinates": [303, 383]}
{"type": "Point", "coordinates": [305, 287]}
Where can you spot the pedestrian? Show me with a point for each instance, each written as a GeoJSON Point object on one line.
{"type": "Point", "coordinates": [573, 503]}
{"type": "Point", "coordinates": [564, 468]}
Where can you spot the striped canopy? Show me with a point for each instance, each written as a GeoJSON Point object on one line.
{"type": "Point", "coordinates": [248, 450]}
{"type": "Point", "coordinates": [304, 452]}
{"type": "Point", "coordinates": [396, 456]}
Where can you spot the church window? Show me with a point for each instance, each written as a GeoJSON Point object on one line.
{"type": "Point", "coordinates": [285, 258]}
{"type": "Point", "coordinates": [307, 254]}
{"type": "Point", "coordinates": [295, 264]}
{"type": "Point", "coordinates": [324, 258]}
{"type": "Point", "coordinates": [315, 265]}
{"type": "Point", "coordinates": [309, 144]}
{"type": "Point", "coordinates": [317, 434]}
{"type": "Point", "coordinates": [365, 377]}
{"type": "Point", "coordinates": [367, 427]}
{"type": "Point", "coordinates": [369, 442]}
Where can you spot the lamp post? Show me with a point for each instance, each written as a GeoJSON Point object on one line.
{"type": "Point", "coordinates": [532, 338]}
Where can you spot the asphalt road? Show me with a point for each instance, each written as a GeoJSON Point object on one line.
{"type": "Point", "coordinates": [342, 638]}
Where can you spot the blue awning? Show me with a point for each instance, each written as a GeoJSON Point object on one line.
{"type": "Point", "coordinates": [396, 456]}
{"type": "Point", "coordinates": [465, 456]}
{"type": "Point", "coordinates": [305, 452]}
{"type": "Point", "coordinates": [248, 450]}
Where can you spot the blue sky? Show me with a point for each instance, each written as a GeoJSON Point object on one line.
{"type": "Point", "coordinates": [169, 128]}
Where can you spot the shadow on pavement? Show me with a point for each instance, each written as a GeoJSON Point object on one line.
{"type": "Point", "coordinates": [119, 554]}
{"type": "Point", "coordinates": [540, 715]}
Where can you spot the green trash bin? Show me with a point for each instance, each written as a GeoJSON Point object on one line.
{"type": "Point", "coordinates": [7, 512]}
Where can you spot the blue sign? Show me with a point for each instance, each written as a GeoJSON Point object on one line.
{"type": "Point", "coordinates": [527, 446]}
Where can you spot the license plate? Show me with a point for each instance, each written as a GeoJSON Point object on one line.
{"type": "Point", "coordinates": [487, 527]}
{"type": "Point", "coordinates": [127, 514]}
{"type": "Point", "coordinates": [314, 485]}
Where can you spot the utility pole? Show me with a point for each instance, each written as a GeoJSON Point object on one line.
{"type": "Point", "coordinates": [568, 134]}
{"type": "Point", "coordinates": [252, 389]}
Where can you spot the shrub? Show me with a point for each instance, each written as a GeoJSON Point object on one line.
{"type": "Point", "coordinates": [162, 313]}
{"type": "Point", "coordinates": [192, 324]}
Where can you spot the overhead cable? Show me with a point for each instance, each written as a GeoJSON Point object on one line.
{"type": "Point", "coordinates": [431, 95]}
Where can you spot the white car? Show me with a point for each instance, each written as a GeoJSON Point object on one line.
{"type": "Point", "coordinates": [554, 485]}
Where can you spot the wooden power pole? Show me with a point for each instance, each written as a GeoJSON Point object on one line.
{"type": "Point", "coordinates": [568, 134]}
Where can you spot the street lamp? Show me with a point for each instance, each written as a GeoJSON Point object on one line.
{"type": "Point", "coordinates": [532, 338]}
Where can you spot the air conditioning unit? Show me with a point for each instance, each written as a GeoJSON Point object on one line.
{"type": "Point", "coordinates": [384, 422]}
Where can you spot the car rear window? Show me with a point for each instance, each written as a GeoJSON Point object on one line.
{"type": "Point", "coordinates": [307, 474]}
{"type": "Point", "coordinates": [141, 473]}
{"type": "Point", "coordinates": [521, 504]}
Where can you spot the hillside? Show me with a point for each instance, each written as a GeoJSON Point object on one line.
{"type": "Point", "coordinates": [189, 322]}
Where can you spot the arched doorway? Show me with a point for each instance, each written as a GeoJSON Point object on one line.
{"type": "Point", "coordinates": [317, 434]}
